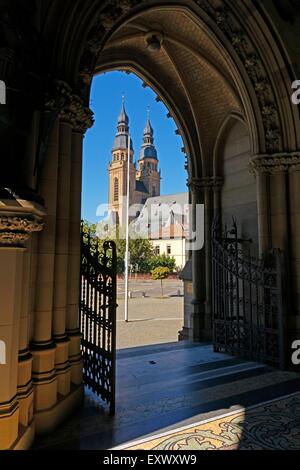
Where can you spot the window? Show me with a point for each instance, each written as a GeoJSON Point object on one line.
{"type": "Point", "coordinates": [116, 189]}
{"type": "Point", "coordinates": [157, 250]}
{"type": "Point", "coordinates": [169, 250]}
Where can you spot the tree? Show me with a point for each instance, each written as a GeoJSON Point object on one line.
{"type": "Point", "coordinates": [159, 274]}
{"type": "Point", "coordinates": [141, 253]}
{"type": "Point", "coordinates": [163, 261]}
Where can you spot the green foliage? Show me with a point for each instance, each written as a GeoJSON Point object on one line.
{"type": "Point", "coordinates": [163, 261]}
{"type": "Point", "coordinates": [141, 253]}
{"type": "Point", "coordinates": [160, 273]}
{"type": "Point", "coordinates": [142, 257]}
{"type": "Point", "coordinates": [141, 250]}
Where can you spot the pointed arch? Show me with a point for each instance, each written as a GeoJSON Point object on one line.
{"type": "Point", "coordinates": [223, 132]}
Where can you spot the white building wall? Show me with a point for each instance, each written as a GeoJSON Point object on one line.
{"type": "Point", "coordinates": [178, 250]}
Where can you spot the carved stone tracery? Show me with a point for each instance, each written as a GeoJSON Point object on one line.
{"type": "Point", "coordinates": [15, 230]}
{"type": "Point", "coordinates": [70, 107]}
{"type": "Point", "coordinates": [206, 183]}
{"type": "Point", "coordinates": [277, 163]}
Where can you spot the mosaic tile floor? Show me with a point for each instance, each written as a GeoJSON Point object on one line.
{"type": "Point", "coordinates": [163, 388]}
{"type": "Point", "coordinates": [273, 426]}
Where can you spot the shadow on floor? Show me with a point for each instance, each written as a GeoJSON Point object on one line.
{"type": "Point", "coordinates": [165, 387]}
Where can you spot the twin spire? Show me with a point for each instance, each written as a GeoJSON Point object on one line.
{"type": "Point", "coordinates": [123, 119]}
{"type": "Point", "coordinates": [148, 149]}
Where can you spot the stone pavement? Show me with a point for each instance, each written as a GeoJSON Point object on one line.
{"type": "Point", "coordinates": [151, 321]}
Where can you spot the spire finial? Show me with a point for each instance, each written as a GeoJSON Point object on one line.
{"type": "Point", "coordinates": [123, 118]}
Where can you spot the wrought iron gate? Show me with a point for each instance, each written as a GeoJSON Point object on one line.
{"type": "Point", "coordinates": [98, 316]}
{"type": "Point", "coordinates": [248, 299]}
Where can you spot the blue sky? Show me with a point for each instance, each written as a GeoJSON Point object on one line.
{"type": "Point", "coordinates": [106, 100]}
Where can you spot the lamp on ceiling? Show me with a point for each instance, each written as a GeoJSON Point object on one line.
{"type": "Point", "coordinates": [154, 40]}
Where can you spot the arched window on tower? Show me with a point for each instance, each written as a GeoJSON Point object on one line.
{"type": "Point", "coordinates": [153, 191]}
{"type": "Point", "coordinates": [116, 189]}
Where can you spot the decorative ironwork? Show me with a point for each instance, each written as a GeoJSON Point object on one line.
{"type": "Point", "coordinates": [98, 316]}
{"type": "Point", "coordinates": [248, 299]}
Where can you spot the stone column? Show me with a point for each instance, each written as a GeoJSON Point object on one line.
{"type": "Point", "coordinates": [25, 386]}
{"type": "Point", "coordinates": [18, 219]}
{"type": "Point", "coordinates": [83, 121]}
{"type": "Point", "coordinates": [205, 189]}
{"type": "Point", "coordinates": [198, 273]}
{"type": "Point", "coordinates": [43, 348]}
{"type": "Point", "coordinates": [61, 259]}
{"type": "Point", "coordinates": [272, 202]}
{"type": "Point", "coordinates": [279, 209]}
{"type": "Point", "coordinates": [263, 211]}
{"type": "Point", "coordinates": [73, 330]}
{"type": "Point", "coordinates": [294, 197]}
{"type": "Point", "coordinates": [217, 197]}
{"type": "Point", "coordinates": [278, 183]}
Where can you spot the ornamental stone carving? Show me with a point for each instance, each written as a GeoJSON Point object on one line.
{"type": "Point", "coordinates": [277, 163]}
{"type": "Point", "coordinates": [15, 230]}
{"type": "Point", "coordinates": [206, 183]}
{"type": "Point", "coordinates": [225, 18]}
{"type": "Point", "coordinates": [70, 108]}
{"type": "Point", "coordinates": [230, 25]}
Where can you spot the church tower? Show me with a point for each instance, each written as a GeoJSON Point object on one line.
{"type": "Point", "coordinates": [118, 170]}
{"type": "Point", "coordinates": [148, 172]}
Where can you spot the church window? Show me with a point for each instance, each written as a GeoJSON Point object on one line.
{"type": "Point", "coordinates": [116, 189]}
{"type": "Point", "coordinates": [169, 250]}
{"type": "Point", "coordinates": [157, 250]}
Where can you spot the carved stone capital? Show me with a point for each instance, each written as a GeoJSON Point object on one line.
{"type": "Point", "coordinates": [206, 183]}
{"type": "Point", "coordinates": [277, 163]}
{"type": "Point", "coordinates": [70, 107]}
{"type": "Point", "coordinates": [15, 230]}
{"type": "Point", "coordinates": [18, 220]}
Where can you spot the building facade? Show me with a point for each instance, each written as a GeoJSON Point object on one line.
{"type": "Point", "coordinates": [150, 213]}
{"type": "Point", "coordinates": [144, 175]}
{"type": "Point", "coordinates": [165, 221]}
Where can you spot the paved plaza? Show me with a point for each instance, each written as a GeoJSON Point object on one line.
{"type": "Point", "coordinates": [152, 319]}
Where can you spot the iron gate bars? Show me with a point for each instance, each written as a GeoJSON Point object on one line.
{"type": "Point", "coordinates": [248, 299]}
{"type": "Point", "coordinates": [98, 315]}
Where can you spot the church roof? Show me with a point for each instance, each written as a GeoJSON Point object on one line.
{"type": "Point", "coordinates": [170, 199]}
{"type": "Point", "coordinates": [123, 117]}
{"type": "Point", "coordinates": [122, 135]}
{"type": "Point", "coordinates": [148, 152]}
{"type": "Point", "coordinates": [148, 131]}
{"type": "Point", "coordinates": [121, 142]}
{"type": "Point", "coordinates": [162, 212]}
{"type": "Point", "coordinates": [140, 187]}
{"type": "Point", "coordinates": [148, 149]}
